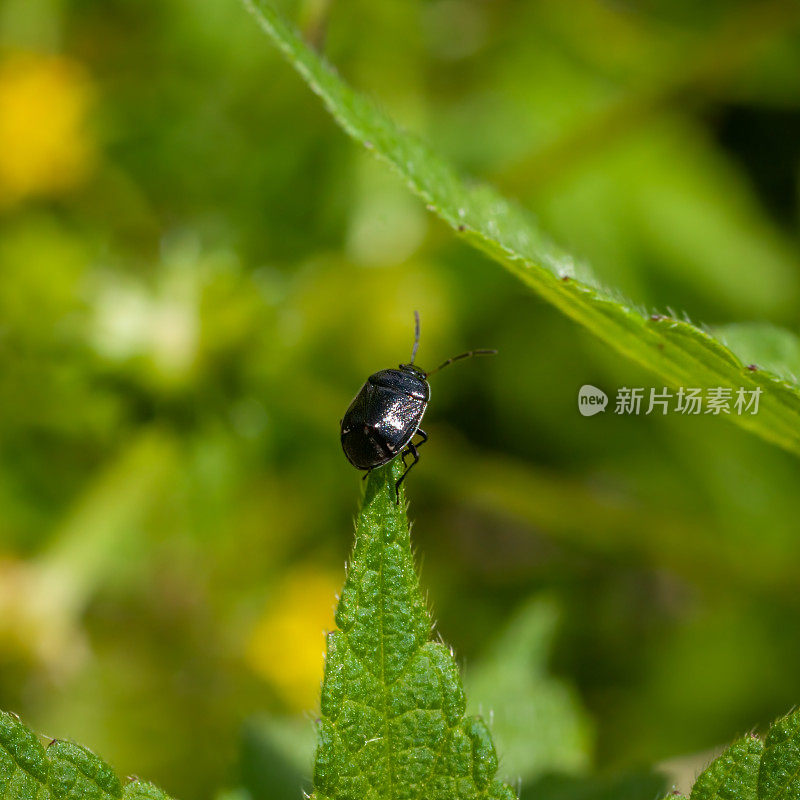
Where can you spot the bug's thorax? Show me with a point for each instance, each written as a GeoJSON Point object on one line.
{"type": "Point", "coordinates": [417, 377]}
{"type": "Point", "coordinates": [401, 382]}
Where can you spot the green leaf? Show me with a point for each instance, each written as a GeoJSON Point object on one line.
{"type": "Point", "coordinates": [754, 770]}
{"type": "Point", "coordinates": [64, 771]}
{"type": "Point", "coordinates": [775, 349]}
{"type": "Point", "coordinates": [732, 776]}
{"type": "Point", "coordinates": [640, 785]}
{"type": "Point", "coordinates": [24, 768]}
{"type": "Point", "coordinates": [276, 754]}
{"type": "Point", "coordinates": [393, 722]}
{"type": "Point", "coordinates": [76, 773]}
{"type": "Point", "coordinates": [537, 721]}
{"type": "Point", "coordinates": [140, 790]}
{"type": "Point", "coordinates": [779, 776]}
{"type": "Point", "coordinates": [679, 352]}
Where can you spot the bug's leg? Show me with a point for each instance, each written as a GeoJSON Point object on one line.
{"type": "Point", "coordinates": [366, 474]}
{"type": "Point", "coordinates": [410, 450]}
{"type": "Point", "coordinates": [407, 452]}
{"type": "Point", "coordinates": [424, 436]}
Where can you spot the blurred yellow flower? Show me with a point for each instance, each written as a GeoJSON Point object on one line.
{"type": "Point", "coordinates": [37, 620]}
{"type": "Point", "coordinates": [287, 644]}
{"type": "Point", "coordinates": [44, 144]}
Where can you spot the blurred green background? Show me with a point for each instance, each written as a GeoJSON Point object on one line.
{"type": "Point", "coordinates": [198, 272]}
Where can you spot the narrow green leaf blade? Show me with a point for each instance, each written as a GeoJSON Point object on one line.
{"type": "Point", "coordinates": [773, 348]}
{"type": "Point", "coordinates": [732, 776]}
{"type": "Point", "coordinates": [393, 723]}
{"type": "Point", "coordinates": [24, 767]}
{"type": "Point", "coordinates": [680, 353]}
{"type": "Point", "coordinates": [779, 776]}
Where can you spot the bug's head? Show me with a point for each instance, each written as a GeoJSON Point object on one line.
{"type": "Point", "coordinates": [413, 369]}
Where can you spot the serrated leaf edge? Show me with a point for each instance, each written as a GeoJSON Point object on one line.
{"type": "Point", "coordinates": [15, 725]}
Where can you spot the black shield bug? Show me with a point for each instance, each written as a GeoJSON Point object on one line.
{"type": "Point", "coordinates": [386, 413]}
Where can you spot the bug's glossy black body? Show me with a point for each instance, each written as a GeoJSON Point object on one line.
{"type": "Point", "coordinates": [384, 416]}
{"type": "Point", "coordinates": [386, 413]}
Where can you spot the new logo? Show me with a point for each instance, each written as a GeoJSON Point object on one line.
{"type": "Point", "coordinates": [591, 400]}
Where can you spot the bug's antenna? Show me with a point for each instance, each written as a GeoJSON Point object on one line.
{"type": "Point", "coordinates": [416, 337]}
{"type": "Point", "coordinates": [468, 354]}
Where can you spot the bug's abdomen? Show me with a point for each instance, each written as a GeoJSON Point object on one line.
{"type": "Point", "coordinates": [363, 450]}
